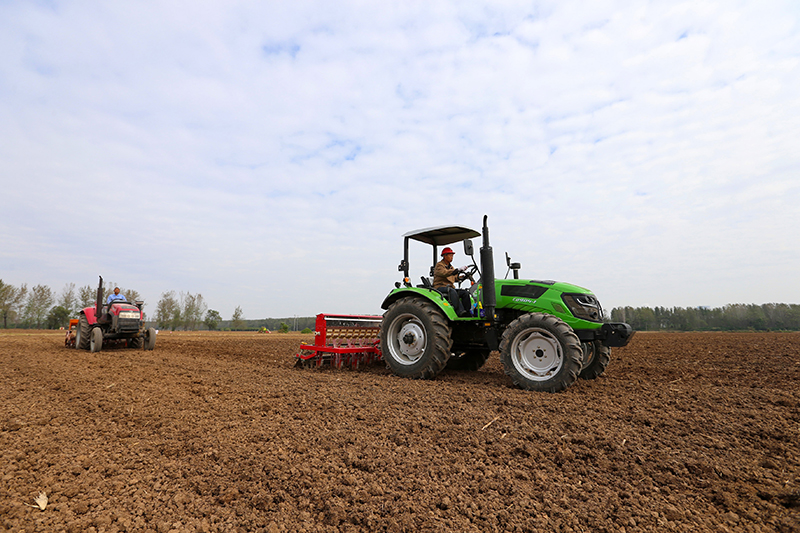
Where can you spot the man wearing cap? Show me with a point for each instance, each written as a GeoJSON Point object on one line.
{"type": "Point", "coordinates": [444, 277]}
{"type": "Point", "coordinates": [115, 296]}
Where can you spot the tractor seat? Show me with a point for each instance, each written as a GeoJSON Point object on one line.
{"type": "Point", "coordinates": [426, 283]}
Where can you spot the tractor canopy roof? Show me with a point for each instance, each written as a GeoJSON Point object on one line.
{"type": "Point", "coordinates": [440, 235]}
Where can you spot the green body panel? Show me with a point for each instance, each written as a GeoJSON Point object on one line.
{"type": "Point", "coordinates": [549, 301]}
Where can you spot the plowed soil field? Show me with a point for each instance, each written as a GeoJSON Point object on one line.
{"type": "Point", "coordinates": [220, 432]}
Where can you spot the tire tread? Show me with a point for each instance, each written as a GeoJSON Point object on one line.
{"type": "Point", "coordinates": [573, 354]}
{"type": "Point", "coordinates": [440, 338]}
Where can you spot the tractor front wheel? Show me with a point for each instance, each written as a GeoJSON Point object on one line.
{"type": "Point", "coordinates": [595, 359]}
{"type": "Point", "coordinates": [415, 338]}
{"type": "Point", "coordinates": [83, 334]}
{"type": "Point", "coordinates": [540, 352]}
{"type": "Point", "coordinates": [96, 342]}
{"type": "Point", "coordinates": [150, 339]}
{"type": "Point", "coordinates": [134, 342]}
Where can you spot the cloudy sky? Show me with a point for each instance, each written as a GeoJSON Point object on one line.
{"type": "Point", "coordinates": [270, 155]}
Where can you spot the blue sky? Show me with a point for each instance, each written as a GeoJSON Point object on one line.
{"type": "Point", "coordinates": [271, 154]}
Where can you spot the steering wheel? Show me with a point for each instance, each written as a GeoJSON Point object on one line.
{"type": "Point", "coordinates": [468, 273]}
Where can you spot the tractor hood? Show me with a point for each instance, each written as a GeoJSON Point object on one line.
{"type": "Point", "coordinates": [559, 286]}
{"type": "Point", "coordinates": [563, 287]}
{"type": "Point", "coordinates": [127, 310]}
{"type": "Point", "coordinates": [553, 297]}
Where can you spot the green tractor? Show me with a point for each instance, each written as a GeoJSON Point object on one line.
{"type": "Point", "coordinates": [548, 333]}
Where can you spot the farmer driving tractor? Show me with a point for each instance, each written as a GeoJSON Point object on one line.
{"type": "Point", "coordinates": [444, 278]}
{"type": "Point", "coordinates": [115, 296]}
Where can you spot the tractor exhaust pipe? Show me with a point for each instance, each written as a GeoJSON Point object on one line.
{"type": "Point", "coordinates": [487, 273]}
{"type": "Point", "coordinates": [99, 303]}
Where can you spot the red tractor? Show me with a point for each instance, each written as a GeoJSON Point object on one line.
{"type": "Point", "coordinates": [112, 324]}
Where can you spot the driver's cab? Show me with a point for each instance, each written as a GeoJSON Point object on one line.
{"type": "Point", "coordinates": [106, 309]}
{"type": "Point", "coordinates": [440, 236]}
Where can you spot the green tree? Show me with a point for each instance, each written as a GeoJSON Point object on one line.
{"type": "Point", "coordinates": [168, 311]}
{"type": "Point", "coordinates": [11, 299]}
{"type": "Point", "coordinates": [193, 307]}
{"type": "Point", "coordinates": [39, 301]}
{"type": "Point", "coordinates": [68, 299]}
{"type": "Point", "coordinates": [133, 296]}
{"type": "Point", "coordinates": [284, 328]}
{"type": "Point", "coordinates": [86, 296]}
{"type": "Point", "coordinates": [212, 319]}
{"type": "Point", "coordinates": [237, 320]}
{"type": "Point", "coordinates": [307, 330]}
{"type": "Point", "coordinates": [58, 317]}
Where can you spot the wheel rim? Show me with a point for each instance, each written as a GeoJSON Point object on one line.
{"type": "Point", "coordinates": [588, 354]}
{"type": "Point", "coordinates": [537, 354]}
{"type": "Point", "coordinates": [407, 341]}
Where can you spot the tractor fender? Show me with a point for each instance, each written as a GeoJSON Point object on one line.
{"type": "Point", "coordinates": [425, 294]}
{"type": "Point", "coordinates": [89, 312]}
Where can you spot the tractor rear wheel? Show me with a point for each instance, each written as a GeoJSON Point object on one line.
{"type": "Point", "coordinates": [540, 352]}
{"type": "Point", "coordinates": [83, 334]}
{"type": "Point", "coordinates": [470, 360]}
{"type": "Point", "coordinates": [96, 342]}
{"type": "Point", "coordinates": [595, 359]}
{"type": "Point", "coordinates": [415, 338]}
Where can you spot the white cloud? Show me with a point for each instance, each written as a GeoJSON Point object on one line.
{"type": "Point", "coordinates": [271, 155]}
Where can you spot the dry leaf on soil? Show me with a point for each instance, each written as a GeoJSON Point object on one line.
{"type": "Point", "coordinates": [40, 501]}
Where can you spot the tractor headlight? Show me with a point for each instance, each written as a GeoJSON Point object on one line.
{"type": "Point", "coordinates": [584, 306]}
{"type": "Point", "coordinates": [129, 314]}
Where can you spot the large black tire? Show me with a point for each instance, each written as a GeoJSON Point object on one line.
{"type": "Point", "coordinates": [83, 334]}
{"type": "Point", "coordinates": [150, 339]}
{"type": "Point", "coordinates": [540, 352]}
{"type": "Point", "coordinates": [469, 360]}
{"type": "Point", "coordinates": [595, 359]}
{"type": "Point", "coordinates": [96, 341]}
{"type": "Point", "coordinates": [134, 342]}
{"type": "Point", "coordinates": [415, 338]}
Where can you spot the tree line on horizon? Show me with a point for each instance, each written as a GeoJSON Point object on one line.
{"type": "Point", "coordinates": [41, 308]}
{"type": "Point", "coordinates": [186, 311]}
{"type": "Point", "coordinates": [731, 317]}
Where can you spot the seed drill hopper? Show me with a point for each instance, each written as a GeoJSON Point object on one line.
{"type": "Point", "coordinates": [349, 340]}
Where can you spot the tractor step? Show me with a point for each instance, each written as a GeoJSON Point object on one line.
{"type": "Point", "coordinates": [343, 340]}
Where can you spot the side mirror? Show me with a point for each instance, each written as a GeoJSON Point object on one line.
{"type": "Point", "coordinates": [468, 250]}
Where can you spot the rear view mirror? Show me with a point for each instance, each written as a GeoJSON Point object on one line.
{"type": "Point", "coordinates": [468, 250]}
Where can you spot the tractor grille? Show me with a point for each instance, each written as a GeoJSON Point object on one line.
{"type": "Point", "coordinates": [127, 324]}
